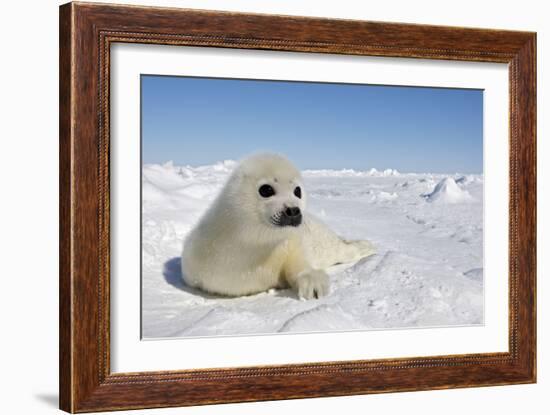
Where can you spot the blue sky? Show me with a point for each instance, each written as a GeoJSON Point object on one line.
{"type": "Point", "coordinates": [200, 121]}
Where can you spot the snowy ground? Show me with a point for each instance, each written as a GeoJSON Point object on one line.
{"type": "Point", "coordinates": [427, 228]}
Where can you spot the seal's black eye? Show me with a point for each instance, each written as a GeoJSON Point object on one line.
{"type": "Point", "coordinates": [266, 190]}
{"type": "Point", "coordinates": [298, 192]}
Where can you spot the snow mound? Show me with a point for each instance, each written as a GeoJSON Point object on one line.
{"type": "Point", "coordinates": [350, 173]}
{"type": "Point", "coordinates": [448, 191]}
{"type": "Point", "coordinates": [384, 173]}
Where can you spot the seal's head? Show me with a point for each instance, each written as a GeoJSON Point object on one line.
{"type": "Point", "coordinates": [269, 191]}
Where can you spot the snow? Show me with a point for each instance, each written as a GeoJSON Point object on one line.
{"type": "Point", "coordinates": [448, 191]}
{"type": "Point", "coordinates": [428, 270]}
{"type": "Point", "coordinates": [350, 173]}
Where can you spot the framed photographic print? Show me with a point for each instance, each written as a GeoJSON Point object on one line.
{"type": "Point", "coordinates": [260, 207]}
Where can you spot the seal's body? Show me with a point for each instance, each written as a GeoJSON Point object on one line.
{"type": "Point", "coordinates": [255, 236]}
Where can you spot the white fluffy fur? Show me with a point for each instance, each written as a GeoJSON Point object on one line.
{"type": "Point", "coordinates": [236, 250]}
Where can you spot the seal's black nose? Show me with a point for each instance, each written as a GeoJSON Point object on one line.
{"type": "Point", "coordinates": [291, 216]}
{"type": "Point", "coordinates": [292, 212]}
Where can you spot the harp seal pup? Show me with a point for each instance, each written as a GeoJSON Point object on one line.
{"type": "Point", "coordinates": [256, 236]}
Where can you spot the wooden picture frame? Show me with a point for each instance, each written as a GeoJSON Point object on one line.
{"type": "Point", "coordinates": [86, 33]}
